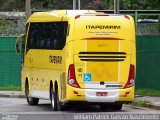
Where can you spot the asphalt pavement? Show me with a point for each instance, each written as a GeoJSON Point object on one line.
{"type": "Point", "coordinates": [14, 107]}
{"type": "Point", "coordinates": [151, 101]}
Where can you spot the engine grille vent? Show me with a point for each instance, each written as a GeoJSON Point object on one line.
{"type": "Point", "coordinates": [102, 56]}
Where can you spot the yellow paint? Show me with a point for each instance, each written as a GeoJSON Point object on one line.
{"type": "Point", "coordinates": [128, 97]}
{"type": "Point", "coordinates": [39, 71]}
{"type": "Point", "coordinates": [103, 71]}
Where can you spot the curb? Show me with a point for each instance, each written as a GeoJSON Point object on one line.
{"type": "Point", "coordinates": [134, 107]}
{"type": "Point", "coordinates": [149, 105]}
{"type": "Point", "coordinates": [12, 96]}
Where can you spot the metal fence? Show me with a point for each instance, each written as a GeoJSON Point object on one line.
{"type": "Point", "coordinates": [147, 29]}
{"type": "Point", "coordinates": [148, 62]}
{"type": "Point", "coordinates": [11, 23]}
{"type": "Point", "coordinates": [148, 55]}
{"type": "Point", "coordinates": [10, 63]}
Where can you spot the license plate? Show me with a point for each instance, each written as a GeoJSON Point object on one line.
{"type": "Point", "coordinates": [101, 93]}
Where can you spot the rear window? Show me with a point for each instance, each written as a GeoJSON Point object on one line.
{"type": "Point", "coordinates": [47, 35]}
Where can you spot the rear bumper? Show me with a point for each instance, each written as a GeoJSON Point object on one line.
{"type": "Point", "coordinates": [89, 95]}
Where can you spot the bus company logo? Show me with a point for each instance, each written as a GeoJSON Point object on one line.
{"type": "Point", "coordinates": [55, 59]}
{"type": "Point", "coordinates": [103, 27]}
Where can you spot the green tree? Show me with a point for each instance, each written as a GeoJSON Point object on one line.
{"type": "Point", "coordinates": [109, 4]}
{"type": "Point", "coordinates": [96, 5]}
{"type": "Point", "coordinates": [52, 4]}
{"type": "Point", "coordinates": [125, 4]}
{"type": "Point", "coordinates": [140, 4]}
{"type": "Point", "coordinates": [12, 5]}
{"type": "Point", "coordinates": [19, 5]}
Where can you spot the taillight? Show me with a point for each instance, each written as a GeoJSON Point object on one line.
{"type": "Point", "coordinates": [77, 16]}
{"type": "Point", "coordinates": [130, 81]}
{"type": "Point", "coordinates": [127, 17]}
{"type": "Point", "coordinates": [72, 77]}
{"type": "Point", "coordinates": [102, 15]}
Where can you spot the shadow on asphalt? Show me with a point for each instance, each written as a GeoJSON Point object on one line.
{"type": "Point", "coordinates": [78, 108]}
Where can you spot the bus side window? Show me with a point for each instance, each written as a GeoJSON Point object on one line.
{"type": "Point", "coordinates": [61, 35]}
{"type": "Point", "coordinates": [30, 38]}
{"type": "Point", "coordinates": [49, 35]}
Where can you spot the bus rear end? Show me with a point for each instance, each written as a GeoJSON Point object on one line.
{"type": "Point", "coordinates": [103, 69]}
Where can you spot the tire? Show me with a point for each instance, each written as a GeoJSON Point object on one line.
{"type": "Point", "coordinates": [30, 100]}
{"type": "Point", "coordinates": [116, 107]}
{"type": "Point", "coordinates": [55, 103]}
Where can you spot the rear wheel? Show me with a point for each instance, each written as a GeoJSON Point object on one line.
{"type": "Point", "coordinates": [30, 100]}
{"type": "Point", "coordinates": [55, 103]}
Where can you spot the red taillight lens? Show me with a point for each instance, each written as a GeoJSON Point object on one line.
{"type": "Point", "coordinates": [102, 15]}
{"type": "Point", "coordinates": [72, 77]}
{"type": "Point", "coordinates": [77, 16]}
{"type": "Point", "coordinates": [130, 81]}
{"type": "Point", "coordinates": [127, 17]}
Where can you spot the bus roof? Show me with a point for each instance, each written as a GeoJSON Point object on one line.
{"type": "Point", "coordinates": [59, 14]}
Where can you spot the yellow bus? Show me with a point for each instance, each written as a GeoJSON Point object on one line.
{"type": "Point", "coordinates": [78, 56]}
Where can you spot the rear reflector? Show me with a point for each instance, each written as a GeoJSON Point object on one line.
{"type": "Point", "coordinates": [130, 81]}
{"type": "Point", "coordinates": [72, 77]}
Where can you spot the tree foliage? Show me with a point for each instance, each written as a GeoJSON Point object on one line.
{"type": "Point", "coordinates": [96, 5]}
{"type": "Point", "coordinates": [52, 4]}
{"type": "Point", "coordinates": [140, 4]}
{"type": "Point", "coordinates": [19, 5]}
{"type": "Point", "coordinates": [12, 5]}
